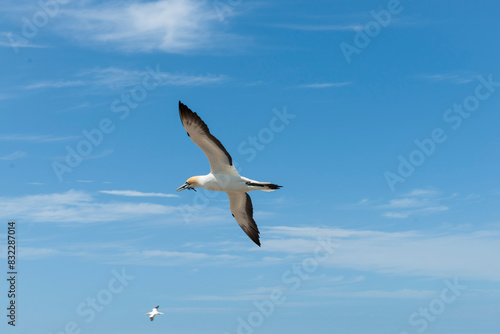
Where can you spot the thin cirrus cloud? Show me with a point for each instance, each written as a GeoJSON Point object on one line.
{"type": "Point", "coordinates": [14, 156]}
{"type": "Point", "coordinates": [464, 255]}
{"type": "Point", "coordinates": [9, 40]}
{"type": "Point", "coordinates": [416, 202]}
{"type": "Point", "coordinates": [393, 294]}
{"type": "Point", "coordinates": [113, 253]}
{"type": "Point", "coordinates": [457, 78]}
{"type": "Point", "coordinates": [100, 155]}
{"type": "Point", "coordinates": [173, 26]}
{"type": "Point", "coordinates": [35, 138]}
{"type": "Point", "coordinates": [117, 78]}
{"type": "Point", "coordinates": [121, 78]}
{"type": "Point", "coordinates": [133, 193]}
{"type": "Point", "coordinates": [326, 84]}
{"type": "Point", "coordinates": [34, 253]}
{"type": "Point", "coordinates": [170, 258]}
{"type": "Point", "coordinates": [362, 19]}
{"type": "Point", "coordinates": [54, 84]}
{"type": "Point", "coordinates": [337, 291]}
{"type": "Point", "coordinates": [326, 293]}
{"type": "Point", "coordinates": [7, 44]}
{"type": "Point", "coordinates": [315, 27]}
{"type": "Point", "coordinates": [77, 207]}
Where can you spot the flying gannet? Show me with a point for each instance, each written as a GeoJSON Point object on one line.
{"type": "Point", "coordinates": [153, 313]}
{"type": "Point", "coordinates": [223, 176]}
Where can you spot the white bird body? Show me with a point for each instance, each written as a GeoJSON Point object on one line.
{"type": "Point", "coordinates": [153, 313]}
{"type": "Point", "coordinates": [223, 175]}
{"type": "Point", "coordinates": [226, 182]}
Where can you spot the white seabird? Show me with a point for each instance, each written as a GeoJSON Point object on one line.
{"type": "Point", "coordinates": [223, 176]}
{"type": "Point", "coordinates": [153, 313]}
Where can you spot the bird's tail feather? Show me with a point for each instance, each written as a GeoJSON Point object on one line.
{"type": "Point", "coordinates": [265, 186]}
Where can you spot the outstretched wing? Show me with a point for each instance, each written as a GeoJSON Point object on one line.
{"type": "Point", "coordinates": [197, 130]}
{"type": "Point", "coordinates": [242, 210]}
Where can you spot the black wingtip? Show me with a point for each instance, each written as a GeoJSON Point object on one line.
{"type": "Point", "coordinates": [254, 237]}
{"type": "Point", "coordinates": [256, 240]}
{"type": "Point", "coordinates": [184, 110]}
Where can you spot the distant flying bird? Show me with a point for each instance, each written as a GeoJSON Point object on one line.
{"type": "Point", "coordinates": [153, 313]}
{"type": "Point", "coordinates": [223, 176]}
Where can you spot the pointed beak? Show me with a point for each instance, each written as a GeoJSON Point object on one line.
{"type": "Point", "coordinates": [184, 186]}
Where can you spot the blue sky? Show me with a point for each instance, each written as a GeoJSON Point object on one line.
{"type": "Point", "coordinates": [379, 118]}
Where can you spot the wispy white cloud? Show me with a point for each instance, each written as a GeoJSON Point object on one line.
{"type": "Point", "coordinates": [230, 298]}
{"type": "Point", "coordinates": [307, 233]}
{"type": "Point", "coordinates": [191, 310]}
{"type": "Point", "coordinates": [131, 256]}
{"type": "Point", "coordinates": [418, 201]}
{"type": "Point", "coordinates": [408, 213]}
{"type": "Point", "coordinates": [32, 253]}
{"type": "Point", "coordinates": [14, 156]}
{"type": "Point", "coordinates": [54, 84]}
{"type": "Point", "coordinates": [461, 254]}
{"type": "Point", "coordinates": [237, 296]}
{"type": "Point", "coordinates": [317, 27]}
{"type": "Point", "coordinates": [338, 291]}
{"type": "Point", "coordinates": [76, 207]}
{"type": "Point", "coordinates": [423, 192]}
{"type": "Point", "coordinates": [398, 294]}
{"type": "Point", "coordinates": [102, 154]}
{"type": "Point", "coordinates": [326, 84]}
{"type": "Point", "coordinates": [348, 22]}
{"type": "Point", "coordinates": [5, 44]}
{"type": "Point", "coordinates": [117, 78]}
{"type": "Point", "coordinates": [84, 105]}
{"type": "Point", "coordinates": [133, 193]}
{"type": "Point", "coordinates": [126, 252]}
{"type": "Point", "coordinates": [35, 138]}
{"type": "Point", "coordinates": [174, 26]}
{"type": "Point", "coordinates": [459, 77]}
{"type": "Point", "coordinates": [4, 97]}
{"type": "Point", "coordinates": [186, 255]}
{"type": "Point", "coordinates": [11, 40]}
